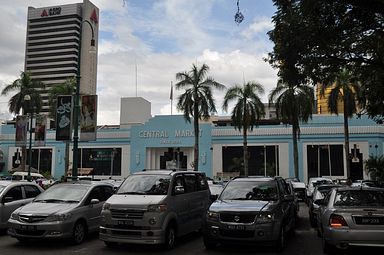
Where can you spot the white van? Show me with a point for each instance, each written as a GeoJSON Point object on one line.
{"type": "Point", "coordinates": [22, 176]}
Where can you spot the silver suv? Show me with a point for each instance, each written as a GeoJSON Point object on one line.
{"type": "Point", "coordinates": [14, 194]}
{"type": "Point", "coordinates": [155, 207]}
{"type": "Point", "coordinates": [251, 210]}
{"type": "Point", "coordinates": [65, 210]}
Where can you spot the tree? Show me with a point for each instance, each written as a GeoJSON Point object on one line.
{"type": "Point", "coordinates": [293, 104]}
{"type": "Point", "coordinates": [346, 89]}
{"type": "Point", "coordinates": [325, 36]}
{"type": "Point", "coordinates": [66, 88]}
{"type": "Point", "coordinates": [247, 111]}
{"type": "Point", "coordinates": [23, 86]}
{"type": "Point", "coordinates": [375, 167]}
{"type": "Point", "coordinates": [197, 100]}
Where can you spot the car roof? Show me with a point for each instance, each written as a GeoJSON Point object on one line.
{"type": "Point", "coordinates": [84, 183]}
{"type": "Point", "coordinates": [163, 172]}
{"type": "Point", "coordinates": [345, 188]}
{"type": "Point", "coordinates": [15, 183]}
{"type": "Point", "coordinates": [254, 178]}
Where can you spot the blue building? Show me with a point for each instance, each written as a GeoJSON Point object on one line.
{"type": "Point", "coordinates": [166, 142]}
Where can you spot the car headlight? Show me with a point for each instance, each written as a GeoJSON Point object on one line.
{"type": "Point", "coordinates": [106, 206]}
{"type": "Point", "coordinates": [157, 208]}
{"type": "Point", "coordinates": [265, 218]}
{"type": "Point", "coordinates": [15, 216]}
{"type": "Point", "coordinates": [212, 215]}
{"type": "Point", "coordinates": [59, 217]}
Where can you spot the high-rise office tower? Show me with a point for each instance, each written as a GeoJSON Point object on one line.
{"type": "Point", "coordinates": [55, 37]}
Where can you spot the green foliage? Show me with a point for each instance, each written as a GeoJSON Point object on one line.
{"type": "Point", "coordinates": [248, 106]}
{"type": "Point", "coordinates": [375, 167]}
{"type": "Point", "coordinates": [23, 86]}
{"type": "Point", "coordinates": [315, 40]}
{"type": "Point", "coordinates": [197, 100]}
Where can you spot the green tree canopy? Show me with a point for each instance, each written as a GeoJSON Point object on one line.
{"type": "Point", "coordinates": [319, 38]}
{"type": "Point", "coordinates": [23, 86]}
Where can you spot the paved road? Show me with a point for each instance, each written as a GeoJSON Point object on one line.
{"type": "Point", "coordinates": [304, 242]}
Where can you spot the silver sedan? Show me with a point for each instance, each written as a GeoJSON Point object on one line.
{"type": "Point", "coordinates": [351, 217]}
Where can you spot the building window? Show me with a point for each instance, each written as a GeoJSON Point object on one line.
{"type": "Point", "coordinates": [324, 160]}
{"type": "Point", "coordinates": [263, 160]}
{"type": "Point", "coordinates": [104, 161]}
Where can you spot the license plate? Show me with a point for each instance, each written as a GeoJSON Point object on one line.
{"type": "Point", "coordinates": [125, 222]}
{"type": "Point", "coordinates": [27, 227]}
{"type": "Point", "coordinates": [236, 227]}
{"type": "Point", "coordinates": [371, 221]}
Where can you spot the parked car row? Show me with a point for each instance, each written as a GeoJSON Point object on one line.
{"type": "Point", "coordinates": [152, 207]}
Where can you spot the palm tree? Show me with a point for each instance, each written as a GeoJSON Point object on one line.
{"type": "Point", "coordinates": [375, 167]}
{"type": "Point", "coordinates": [197, 100]}
{"type": "Point", "coordinates": [23, 86]}
{"type": "Point", "coordinates": [345, 89]}
{"type": "Point", "coordinates": [66, 88]}
{"type": "Point", "coordinates": [247, 111]}
{"type": "Point", "coordinates": [294, 103]}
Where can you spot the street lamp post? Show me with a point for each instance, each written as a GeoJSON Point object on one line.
{"type": "Point", "coordinates": [76, 111]}
{"type": "Point", "coordinates": [28, 98]}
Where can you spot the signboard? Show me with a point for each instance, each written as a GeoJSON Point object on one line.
{"type": "Point", "coordinates": [64, 118]}
{"type": "Point", "coordinates": [40, 130]}
{"type": "Point", "coordinates": [21, 131]}
{"type": "Point", "coordinates": [88, 118]}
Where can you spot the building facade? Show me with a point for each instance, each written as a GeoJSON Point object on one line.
{"type": "Point", "coordinates": [56, 36]}
{"type": "Point", "coordinates": [166, 142]}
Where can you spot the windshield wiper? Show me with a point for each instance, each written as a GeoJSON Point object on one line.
{"type": "Point", "coordinates": [50, 200]}
{"type": "Point", "coordinates": [131, 193]}
{"type": "Point", "coordinates": [71, 201]}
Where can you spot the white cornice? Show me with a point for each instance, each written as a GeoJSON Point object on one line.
{"type": "Point", "coordinates": [303, 131]}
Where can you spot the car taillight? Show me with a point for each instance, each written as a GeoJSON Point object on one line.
{"type": "Point", "coordinates": [337, 221]}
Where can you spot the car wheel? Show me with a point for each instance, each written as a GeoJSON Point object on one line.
{"type": "Point", "coordinates": [209, 244]}
{"type": "Point", "coordinates": [280, 243]}
{"type": "Point", "coordinates": [110, 244]}
{"type": "Point", "coordinates": [78, 233]}
{"type": "Point", "coordinates": [170, 237]}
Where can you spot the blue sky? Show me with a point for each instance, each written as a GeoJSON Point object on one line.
{"type": "Point", "coordinates": [161, 38]}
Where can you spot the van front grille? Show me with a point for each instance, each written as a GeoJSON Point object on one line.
{"type": "Point", "coordinates": [132, 214]}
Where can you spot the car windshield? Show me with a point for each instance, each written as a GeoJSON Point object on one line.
{"type": "Point", "coordinates": [145, 184]}
{"type": "Point", "coordinates": [360, 198]}
{"type": "Point", "coordinates": [63, 193]}
{"type": "Point", "coordinates": [250, 190]}
{"type": "Point", "coordinates": [322, 182]}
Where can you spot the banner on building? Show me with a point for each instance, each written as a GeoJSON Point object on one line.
{"type": "Point", "coordinates": [21, 131]}
{"type": "Point", "coordinates": [40, 129]}
{"type": "Point", "coordinates": [64, 118]}
{"type": "Point", "coordinates": [88, 118]}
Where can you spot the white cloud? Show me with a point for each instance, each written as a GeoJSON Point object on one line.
{"type": "Point", "coordinates": [130, 38]}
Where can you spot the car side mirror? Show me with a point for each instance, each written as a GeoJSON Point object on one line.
{"type": "Point", "coordinates": [94, 201]}
{"type": "Point", "coordinates": [179, 190]}
{"type": "Point", "coordinates": [319, 202]}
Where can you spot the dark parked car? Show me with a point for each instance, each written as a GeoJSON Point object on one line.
{"type": "Point", "coordinates": [352, 216]}
{"type": "Point", "coordinates": [251, 210]}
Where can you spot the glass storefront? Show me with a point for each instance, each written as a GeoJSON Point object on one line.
{"type": "Point", "coordinates": [104, 161]}
{"type": "Point", "coordinates": [263, 160]}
